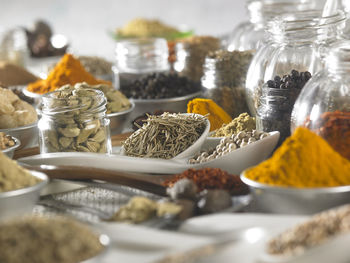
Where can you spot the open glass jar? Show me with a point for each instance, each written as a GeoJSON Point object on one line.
{"type": "Point", "coordinates": [74, 121]}
{"type": "Point", "coordinates": [299, 41]}
{"type": "Point", "coordinates": [324, 104]}
{"type": "Point", "coordinates": [136, 58]}
{"type": "Point", "coordinates": [247, 35]}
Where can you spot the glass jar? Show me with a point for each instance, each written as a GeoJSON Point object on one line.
{"type": "Point", "coordinates": [74, 122]}
{"type": "Point", "coordinates": [324, 104]}
{"type": "Point", "coordinates": [299, 41]}
{"type": "Point", "coordinates": [248, 35]}
{"type": "Point", "coordinates": [136, 58]}
{"type": "Point", "coordinates": [190, 55]}
{"type": "Point", "coordinates": [274, 112]}
{"type": "Point", "coordinates": [13, 46]}
{"type": "Point", "coordinates": [224, 78]}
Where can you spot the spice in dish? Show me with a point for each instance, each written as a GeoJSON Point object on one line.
{"type": "Point", "coordinates": [197, 48]}
{"type": "Point", "coordinates": [216, 115]}
{"type": "Point", "coordinates": [243, 123]}
{"type": "Point", "coordinates": [116, 101]}
{"type": "Point", "coordinates": [15, 112]}
{"type": "Point", "coordinates": [47, 240]}
{"type": "Point", "coordinates": [229, 144]}
{"type": "Point", "coordinates": [13, 176]}
{"type": "Point", "coordinates": [14, 75]}
{"type": "Point", "coordinates": [97, 66]}
{"type": "Point", "coordinates": [6, 141]}
{"type": "Point", "coordinates": [303, 160]}
{"type": "Point", "coordinates": [334, 127]}
{"type": "Point", "coordinates": [142, 27]}
{"type": "Point", "coordinates": [224, 77]}
{"type": "Point", "coordinates": [160, 86]}
{"type": "Point", "coordinates": [68, 70]}
{"type": "Point", "coordinates": [315, 231]}
{"type": "Point", "coordinates": [211, 178]}
{"type": "Point", "coordinates": [165, 136]}
{"type": "Point", "coordinates": [140, 120]}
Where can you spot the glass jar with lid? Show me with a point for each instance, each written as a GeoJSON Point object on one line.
{"type": "Point", "coordinates": [190, 55]}
{"type": "Point", "coordinates": [297, 41]}
{"type": "Point", "coordinates": [247, 35]}
{"type": "Point", "coordinates": [137, 58]}
{"type": "Point", "coordinates": [74, 120]}
{"type": "Point", "coordinates": [324, 104]}
{"type": "Point", "coordinates": [224, 78]}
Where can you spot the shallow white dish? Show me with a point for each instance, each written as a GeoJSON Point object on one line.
{"type": "Point", "coordinates": [235, 162]}
{"type": "Point", "coordinates": [11, 150]}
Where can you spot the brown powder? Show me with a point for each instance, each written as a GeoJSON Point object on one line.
{"type": "Point", "coordinates": [13, 75]}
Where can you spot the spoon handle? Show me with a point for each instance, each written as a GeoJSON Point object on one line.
{"type": "Point", "coordinates": [145, 182]}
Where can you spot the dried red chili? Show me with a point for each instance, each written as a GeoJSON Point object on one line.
{"type": "Point", "coordinates": [334, 127]}
{"type": "Point", "coordinates": [211, 178]}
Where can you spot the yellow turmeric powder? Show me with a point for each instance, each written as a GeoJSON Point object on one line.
{"type": "Point", "coordinates": [303, 160]}
{"type": "Point", "coordinates": [217, 116]}
{"type": "Point", "coordinates": [67, 71]}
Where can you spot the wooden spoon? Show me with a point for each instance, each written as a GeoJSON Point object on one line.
{"type": "Point", "coordinates": [146, 182]}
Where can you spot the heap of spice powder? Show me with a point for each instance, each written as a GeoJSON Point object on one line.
{"type": "Point", "coordinates": [216, 115]}
{"type": "Point", "coordinates": [165, 136]}
{"type": "Point", "coordinates": [68, 70]}
{"type": "Point", "coordinates": [303, 160]}
{"type": "Point", "coordinates": [211, 178]}
{"type": "Point", "coordinates": [243, 123]}
{"type": "Point", "coordinates": [334, 127]}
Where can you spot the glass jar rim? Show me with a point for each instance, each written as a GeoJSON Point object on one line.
{"type": "Point", "coordinates": [100, 107]}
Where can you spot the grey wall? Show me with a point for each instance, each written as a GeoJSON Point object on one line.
{"type": "Point", "coordinates": [86, 23]}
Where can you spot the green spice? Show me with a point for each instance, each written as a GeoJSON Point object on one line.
{"type": "Point", "coordinates": [224, 77]}
{"type": "Point", "coordinates": [165, 136]}
{"type": "Point", "coordinates": [242, 123]}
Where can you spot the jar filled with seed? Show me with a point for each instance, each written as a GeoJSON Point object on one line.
{"type": "Point", "coordinates": [224, 78]}
{"type": "Point", "coordinates": [74, 120]}
{"type": "Point", "coordinates": [190, 55]}
{"type": "Point", "coordinates": [137, 58]}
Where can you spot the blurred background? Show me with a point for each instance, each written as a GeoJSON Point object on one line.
{"type": "Point", "coordinates": [87, 24]}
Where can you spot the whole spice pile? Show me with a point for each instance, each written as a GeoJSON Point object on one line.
{"type": "Point", "coordinates": [47, 240]}
{"type": "Point", "coordinates": [315, 231]}
{"type": "Point", "coordinates": [13, 176]}
{"type": "Point", "coordinates": [216, 115]}
{"type": "Point", "coordinates": [277, 102]}
{"type": "Point", "coordinates": [334, 127]}
{"type": "Point", "coordinates": [77, 126]}
{"type": "Point", "coordinates": [243, 123]}
{"type": "Point", "coordinates": [15, 112]}
{"type": "Point", "coordinates": [13, 75]}
{"type": "Point", "coordinates": [160, 86]}
{"type": "Point", "coordinates": [165, 136]}
{"type": "Point", "coordinates": [116, 101]}
{"type": "Point", "coordinates": [229, 144]}
{"type": "Point", "coordinates": [140, 120]}
{"type": "Point", "coordinates": [68, 70]}
{"type": "Point", "coordinates": [97, 66]}
{"type": "Point", "coordinates": [197, 48]}
{"type": "Point", "coordinates": [6, 141]}
{"type": "Point", "coordinates": [211, 178]}
{"type": "Point", "coordinates": [224, 78]}
{"type": "Point", "coordinates": [303, 160]}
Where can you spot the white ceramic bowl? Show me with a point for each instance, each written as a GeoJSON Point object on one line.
{"type": "Point", "coordinates": [27, 135]}
{"type": "Point", "coordinates": [11, 150]}
{"type": "Point", "coordinates": [119, 120]}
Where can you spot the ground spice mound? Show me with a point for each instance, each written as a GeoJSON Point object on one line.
{"type": "Point", "coordinates": [47, 240]}
{"type": "Point", "coordinates": [313, 232]}
{"type": "Point", "coordinates": [303, 160]}
{"type": "Point", "coordinates": [211, 178]}
{"type": "Point", "coordinates": [13, 176]}
{"type": "Point", "coordinates": [243, 122]}
{"type": "Point", "coordinates": [13, 75]}
{"type": "Point", "coordinates": [68, 70]}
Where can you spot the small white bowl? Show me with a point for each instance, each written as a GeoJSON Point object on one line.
{"type": "Point", "coordinates": [27, 135]}
{"type": "Point", "coordinates": [11, 150]}
{"type": "Point", "coordinates": [242, 158]}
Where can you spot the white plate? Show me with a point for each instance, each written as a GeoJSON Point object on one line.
{"type": "Point", "coordinates": [234, 162]}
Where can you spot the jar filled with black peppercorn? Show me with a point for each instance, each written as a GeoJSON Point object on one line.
{"type": "Point", "coordinates": [277, 101]}
{"type": "Point", "coordinates": [137, 58]}
{"type": "Point", "coordinates": [297, 41]}
{"type": "Point", "coordinates": [224, 78]}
